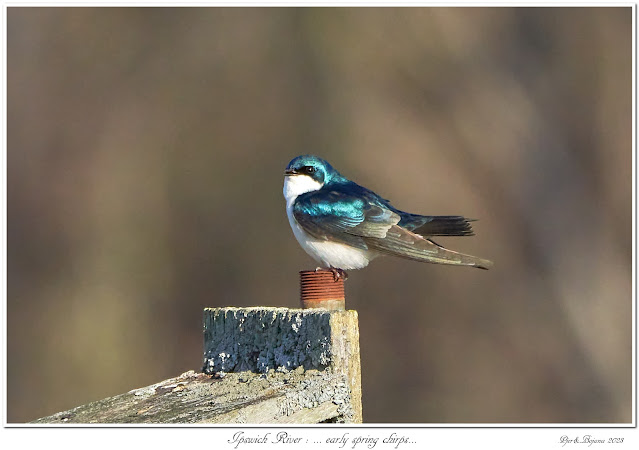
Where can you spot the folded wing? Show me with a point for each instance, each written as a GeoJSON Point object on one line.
{"type": "Point", "coordinates": [406, 244]}
{"type": "Point", "coordinates": [354, 220]}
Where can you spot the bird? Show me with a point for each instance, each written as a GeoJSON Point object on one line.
{"type": "Point", "coordinates": [343, 226]}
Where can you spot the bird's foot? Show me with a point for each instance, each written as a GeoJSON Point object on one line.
{"type": "Point", "coordinates": [338, 273]}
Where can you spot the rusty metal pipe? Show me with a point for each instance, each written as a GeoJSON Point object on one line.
{"type": "Point", "coordinates": [319, 289]}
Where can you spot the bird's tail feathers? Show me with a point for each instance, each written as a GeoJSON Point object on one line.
{"type": "Point", "coordinates": [445, 226]}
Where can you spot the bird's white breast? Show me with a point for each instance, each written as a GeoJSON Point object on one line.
{"type": "Point", "coordinates": [327, 253]}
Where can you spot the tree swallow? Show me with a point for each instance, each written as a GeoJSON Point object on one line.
{"type": "Point", "coordinates": [343, 225]}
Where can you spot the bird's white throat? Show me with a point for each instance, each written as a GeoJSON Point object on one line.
{"type": "Point", "coordinates": [295, 185]}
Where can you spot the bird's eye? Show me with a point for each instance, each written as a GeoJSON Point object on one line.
{"type": "Point", "coordinates": [310, 169]}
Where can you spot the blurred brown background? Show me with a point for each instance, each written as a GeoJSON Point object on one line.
{"type": "Point", "coordinates": [146, 149]}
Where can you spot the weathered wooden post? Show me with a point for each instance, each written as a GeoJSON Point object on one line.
{"type": "Point", "coordinates": [261, 365]}
{"type": "Point", "coordinates": [318, 346]}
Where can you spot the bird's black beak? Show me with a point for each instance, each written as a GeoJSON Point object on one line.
{"type": "Point", "coordinates": [289, 172]}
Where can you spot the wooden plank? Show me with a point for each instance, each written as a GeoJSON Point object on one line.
{"type": "Point", "coordinates": [262, 365]}
{"type": "Point", "coordinates": [295, 397]}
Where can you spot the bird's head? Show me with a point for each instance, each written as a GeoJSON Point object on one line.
{"type": "Point", "coordinates": [307, 173]}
